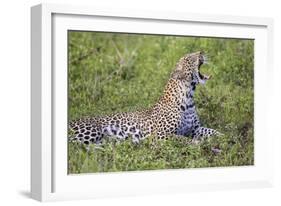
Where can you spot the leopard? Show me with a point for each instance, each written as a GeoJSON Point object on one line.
{"type": "Point", "coordinates": [173, 115]}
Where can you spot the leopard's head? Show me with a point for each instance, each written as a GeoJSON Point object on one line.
{"type": "Point", "coordinates": [188, 68]}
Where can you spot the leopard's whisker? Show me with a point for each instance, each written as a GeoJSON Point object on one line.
{"type": "Point", "coordinates": [205, 57]}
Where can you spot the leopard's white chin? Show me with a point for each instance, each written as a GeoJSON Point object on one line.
{"type": "Point", "coordinates": [202, 81]}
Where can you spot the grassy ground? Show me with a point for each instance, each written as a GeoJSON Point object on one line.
{"type": "Point", "coordinates": [115, 73]}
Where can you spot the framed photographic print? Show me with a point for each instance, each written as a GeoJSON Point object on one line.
{"type": "Point", "coordinates": [135, 102]}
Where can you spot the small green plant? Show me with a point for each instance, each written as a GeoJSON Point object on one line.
{"type": "Point", "coordinates": [124, 72]}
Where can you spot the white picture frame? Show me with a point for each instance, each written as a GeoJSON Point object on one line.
{"type": "Point", "coordinates": [49, 178]}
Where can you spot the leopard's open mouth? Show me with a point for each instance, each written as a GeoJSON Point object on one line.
{"type": "Point", "coordinates": [202, 77]}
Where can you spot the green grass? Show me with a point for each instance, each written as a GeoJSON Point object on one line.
{"type": "Point", "coordinates": [125, 72]}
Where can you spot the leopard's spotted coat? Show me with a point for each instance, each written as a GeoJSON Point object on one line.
{"type": "Point", "coordinates": [173, 115]}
